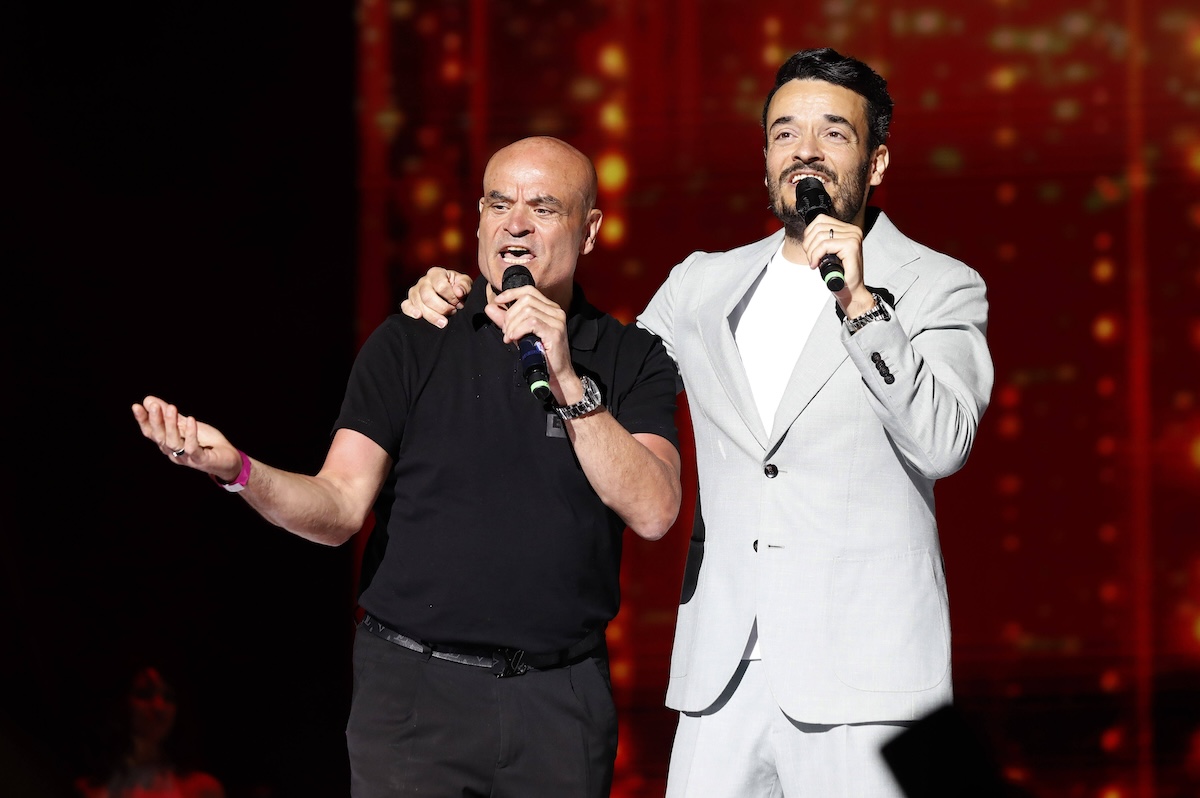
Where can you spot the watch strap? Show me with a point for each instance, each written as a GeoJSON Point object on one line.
{"type": "Point", "coordinates": [590, 402]}
{"type": "Point", "coordinates": [877, 313]}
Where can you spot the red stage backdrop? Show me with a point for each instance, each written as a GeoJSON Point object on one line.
{"type": "Point", "coordinates": [1055, 146]}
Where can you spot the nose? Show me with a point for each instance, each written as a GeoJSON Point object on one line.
{"type": "Point", "coordinates": [519, 221]}
{"type": "Point", "coordinates": [807, 148]}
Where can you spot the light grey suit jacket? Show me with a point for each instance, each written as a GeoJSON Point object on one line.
{"type": "Point", "coordinates": [823, 528]}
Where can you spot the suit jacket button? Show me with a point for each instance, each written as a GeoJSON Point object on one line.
{"type": "Point", "coordinates": [770, 470]}
{"type": "Point", "coordinates": [756, 545]}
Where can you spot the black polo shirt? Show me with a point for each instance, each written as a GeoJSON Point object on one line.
{"type": "Point", "coordinates": [494, 535]}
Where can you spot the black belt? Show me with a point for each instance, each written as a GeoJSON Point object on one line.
{"type": "Point", "coordinates": [500, 661]}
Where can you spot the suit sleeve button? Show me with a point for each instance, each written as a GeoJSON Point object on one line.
{"type": "Point", "coordinates": [771, 471]}
{"type": "Point", "coordinates": [756, 545]}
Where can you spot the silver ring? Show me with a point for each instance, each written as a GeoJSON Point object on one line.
{"type": "Point", "coordinates": [177, 452]}
{"type": "Point", "coordinates": [831, 234]}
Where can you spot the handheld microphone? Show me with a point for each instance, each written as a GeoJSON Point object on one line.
{"type": "Point", "coordinates": [812, 200]}
{"type": "Point", "coordinates": [529, 347]}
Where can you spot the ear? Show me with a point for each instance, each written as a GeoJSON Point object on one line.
{"type": "Point", "coordinates": [879, 164]}
{"type": "Point", "coordinates": [591, 231]}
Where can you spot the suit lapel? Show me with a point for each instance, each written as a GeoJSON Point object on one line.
{"type": "Point", "coordinates": [885, 252]}
{"type": "Point", "coordinates": [726, 286]}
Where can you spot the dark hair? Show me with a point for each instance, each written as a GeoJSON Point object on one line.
{"type": "Point", "coordinates": [832, 67]}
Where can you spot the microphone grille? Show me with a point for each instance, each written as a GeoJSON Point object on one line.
{"type": "Point", "coordinates": [516, 276]}
{"type": "Point", "coordinates": [811, 199]}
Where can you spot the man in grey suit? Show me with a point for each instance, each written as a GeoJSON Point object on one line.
{"type": "Point", "coordinates": [814, 621]}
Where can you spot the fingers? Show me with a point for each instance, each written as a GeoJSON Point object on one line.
{"type": "Point", "coordinates": [829, 236]}
{"type": "Point", "coordinates": [161, 423]}
{"type": "Point", "coordinates": [528, 311]}
{"type": "Point", "coordinates": [436, 295]}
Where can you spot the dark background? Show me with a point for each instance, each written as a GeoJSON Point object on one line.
{"type": "Point", "coordinates": [179, 215]}
{"type": "Point", "coordinates": [215, 202]}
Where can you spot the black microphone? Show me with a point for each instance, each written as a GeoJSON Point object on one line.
{"type": "Point", "coordinates": [812, 200]}
{"type": "Point", "coordinates": [533, 357]}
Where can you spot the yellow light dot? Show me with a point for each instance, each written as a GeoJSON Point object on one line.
{"type": "Point", "coordinates": [612, 61]}
{"type": "Point", "coordinates": [612, 118]}
{"type": "Point", "coordinates": [451, 240]}
{"type": "Point", "coordinates": [612, 232]}
{"type": "Point", "coordinates": [612, 172]}
{"type": "Point", "coordinates": [426, 194]}
{"type": "Point", "coordinates": [1104, 329]}
{"type": "Point", "coordinates": [1003, 79]}
{"type": "Point", "coordinates": [1103, 270]}
{"type": "Point", "coordinates": [773, 55]}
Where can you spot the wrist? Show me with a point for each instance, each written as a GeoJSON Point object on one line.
{"type": "Point", "coordinates": [861, 303]}
{"type": "Point", "coordinates": [238, 483]}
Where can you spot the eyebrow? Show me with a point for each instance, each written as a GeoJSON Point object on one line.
{"type": "Point", "coordinates": [832, 119]}
{"type": "Point", "coordinates": [543, 199]}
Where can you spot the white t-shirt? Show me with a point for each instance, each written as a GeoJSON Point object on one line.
{"type": "Point", "coordinates": [771, 325]}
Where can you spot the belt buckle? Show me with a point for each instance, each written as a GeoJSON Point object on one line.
{"type": "Point", "coordinates": [508, 662]}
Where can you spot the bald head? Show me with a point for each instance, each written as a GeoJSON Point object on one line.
{"type": "Point", "coordinates": [549, 153]}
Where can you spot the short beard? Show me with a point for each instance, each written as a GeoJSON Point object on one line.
{"type": "Point", "coordinates": [849, 199]}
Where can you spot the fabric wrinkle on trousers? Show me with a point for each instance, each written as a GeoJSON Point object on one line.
{"type": "Point", "coordinates": [428, 727]}
{"type": "Point", "coordinates": [748, 748]}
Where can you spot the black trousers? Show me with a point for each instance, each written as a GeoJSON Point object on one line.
{"type": "Point", "coordinates": [423, 726]}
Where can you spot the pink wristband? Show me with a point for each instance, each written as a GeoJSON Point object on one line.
{"type": "Point", "coordinates": [239, 483]}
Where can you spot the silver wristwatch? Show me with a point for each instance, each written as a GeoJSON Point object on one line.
{"type": "Point", "coordinates": [877, 313]}
{"type": "Point", "coordinates": [589, 402]}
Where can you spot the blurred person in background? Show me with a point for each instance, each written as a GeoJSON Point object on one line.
{"type": "Point", "coordinates": [141, 756]}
